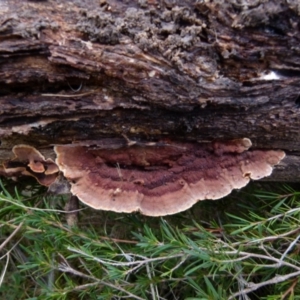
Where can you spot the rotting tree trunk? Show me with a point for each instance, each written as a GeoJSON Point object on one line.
{"type": "Point", "coordinates": [73, 71]}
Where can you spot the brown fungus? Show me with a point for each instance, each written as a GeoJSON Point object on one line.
{"type": "Point", "coordinates": [35, 159]}
{"type": "Point", "coordinates": [30, 162]}
{"type": "Point", "coordinates": [161, 179]}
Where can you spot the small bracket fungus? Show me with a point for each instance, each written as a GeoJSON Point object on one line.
{"type": "Point", "coordinates": [30, 162]}
{"type": "Point", "coordinates": [161, 179]}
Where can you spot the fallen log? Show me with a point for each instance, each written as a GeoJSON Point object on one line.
{"type": "Point", "coordinates": [151, 71]}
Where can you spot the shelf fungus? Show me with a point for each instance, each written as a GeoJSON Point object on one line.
{"type": "Point", "coordinates": [160, 178]}
{"type": "Point", "coordinates": [30, 162]}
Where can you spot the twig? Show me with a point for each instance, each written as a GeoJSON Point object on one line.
{"type": "Point", "coordinates": [11, 236]}
{"type": "Point", "coordinates": [245, 255]}
{"type": "Point", "coordinates": [125, 264]}
{"type": "Point", "coordinates": [182, 261]}
{"type": "Point", "coordinates": [242, 283]}
{"type": "Point", "coordinates": [84, 286]}
{"type": "Point", "coordinates": [268, 238]}
{"type": "Point", "coordinates": [7, 254]}
{"type": "Point", "coordinates": [152, 287]}
{"type": "Point", "coordinates": [254, 286]}
{"type": "Point", "coordinates": [71, 96]}
{"type": "Point", "coordinates": [294, 261]}
{"type": "Point", "coordinates": [5, 268]}
{"type": "Point", "coordinates": [65, 267]}
{"type": "Point", "coordinates": [106, 238]}
{"type": "Point", "coordinates": [40, 209]}
{"type": "Point", "coordinates": [72, 207]}
{"type": "Point", "coordinates": [289, 248]}
{"type": "Point", "coordinates": [290, 289]}
{"type": "Point", "coordinates": [280, 215]}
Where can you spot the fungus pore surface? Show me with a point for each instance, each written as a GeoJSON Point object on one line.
{"type": "Point", "coordinates": [161, 178]}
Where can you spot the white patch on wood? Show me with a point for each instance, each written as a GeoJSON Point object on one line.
{"type": "Point", "coordinates": [270, 75]}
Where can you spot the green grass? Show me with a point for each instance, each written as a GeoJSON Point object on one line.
{"type": "Point", "coordinates": [245, 246]}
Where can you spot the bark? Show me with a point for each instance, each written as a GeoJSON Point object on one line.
{"type": "Point", "coordinates": [73, 71]}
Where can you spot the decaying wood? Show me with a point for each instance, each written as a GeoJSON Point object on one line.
{"type": "Point", "coordinates": [151, 70]}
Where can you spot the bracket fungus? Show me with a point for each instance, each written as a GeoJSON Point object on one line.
{"type": "Point", "coordinates": [161, 178]}
{"type": "Point", "coordinates": [30, 162]}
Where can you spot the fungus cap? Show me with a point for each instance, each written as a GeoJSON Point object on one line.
{"type": "Point", "coordinates": [25, 153]}
{"type": "Point", "coordinates": [161, 179]}
{"type": "Point", "coordinates": [30, 162]}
